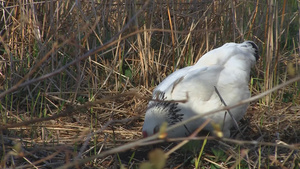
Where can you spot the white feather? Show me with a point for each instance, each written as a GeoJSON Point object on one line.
{"type": "Point", "coordinates": [227, 68]}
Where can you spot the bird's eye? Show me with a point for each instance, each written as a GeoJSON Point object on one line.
{"type": "Point", "coordinates": [156, 129]}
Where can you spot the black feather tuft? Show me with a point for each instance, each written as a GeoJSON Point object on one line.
{"type": "Point", "coordinates": [171, 108]}
{"type": "Point", "coordinates": [255, 48]}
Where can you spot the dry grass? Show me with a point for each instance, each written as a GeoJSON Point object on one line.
{"type": "Point", "coordinates": [75, 78]}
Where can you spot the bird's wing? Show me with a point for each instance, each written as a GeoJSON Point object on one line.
{"type": "Point", "coordinates": [197, 83]}
{"type": "Point", "coordinates": [168, 81]}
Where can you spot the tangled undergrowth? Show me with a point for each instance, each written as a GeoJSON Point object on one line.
{"type": "Point", "coordinates": [76, 77]}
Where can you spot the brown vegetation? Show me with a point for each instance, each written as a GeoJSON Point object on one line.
{"type": "Point", "coordinates": [76, 76]}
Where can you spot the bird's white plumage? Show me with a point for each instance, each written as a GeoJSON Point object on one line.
{"type": "Point", "coordinates": [227, 68]}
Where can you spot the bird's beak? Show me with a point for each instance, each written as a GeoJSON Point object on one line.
{"type": "Point", "coordinates": [145, 134]}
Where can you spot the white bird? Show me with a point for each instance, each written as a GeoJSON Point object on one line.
{"type": "Point", "coordinates": [227, 68]}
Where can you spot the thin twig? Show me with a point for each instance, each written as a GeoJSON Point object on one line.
{"type": "Point", "coordinates": [194, 134]}
{"type": "Point", "coordinates": [229, 112]}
